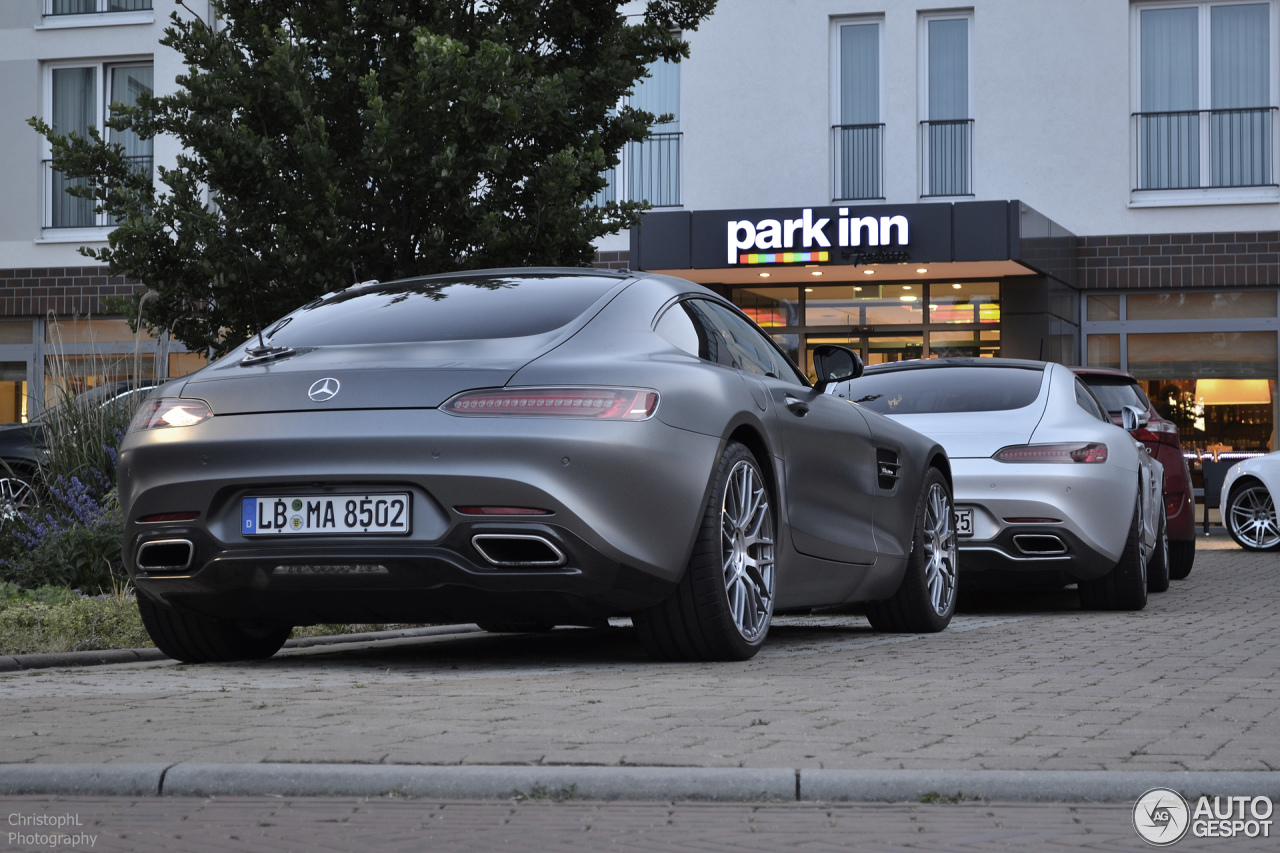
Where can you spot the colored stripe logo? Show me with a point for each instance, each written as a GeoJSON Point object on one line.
{"type": "Point", "coordinates": [785, 258]}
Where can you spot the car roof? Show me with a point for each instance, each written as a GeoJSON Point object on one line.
{"type": "Point", "coordinates": [934, 363]}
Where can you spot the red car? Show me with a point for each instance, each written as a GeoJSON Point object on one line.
{"type": "Point", "coordinates": [1116, 389]}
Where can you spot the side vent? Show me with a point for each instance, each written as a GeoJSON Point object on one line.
{"type": "Point", "coordinates": [887, 468]}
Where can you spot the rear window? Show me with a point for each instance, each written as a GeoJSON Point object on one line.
{"type": "Point", "coordinates": [1115, 394]}
{"type": "Point", "coordinates": [451, 309]}
{"type": "Point", "coordinates": [946, 389]}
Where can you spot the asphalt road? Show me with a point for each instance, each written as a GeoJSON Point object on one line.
{"type": "Point", "coordinates": [1017, 683]}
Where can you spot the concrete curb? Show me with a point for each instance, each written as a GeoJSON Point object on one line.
{"type": "Point", "coordinates": [111, 780]}
{"type": "Point", "coordinates": [18, 663]}
{"type": "Point", "coordinates": [483, 783]}
{"type": "Point", "coordinates": [1091, 786]}
{"type": "Point", "coordinates": [722, 784]}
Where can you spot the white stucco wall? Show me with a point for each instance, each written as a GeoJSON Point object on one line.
{"type": "Point", "coordinates": [1051, 102]}
{"type": "Point", "coordinates": [27, 45]}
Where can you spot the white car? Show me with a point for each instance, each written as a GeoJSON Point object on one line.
{"type": "Point", "coordinates": [1046, 486]}
{"type": "Point", "coordinates": [1249, 506]}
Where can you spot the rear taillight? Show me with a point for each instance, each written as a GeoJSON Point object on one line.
{"type": "Point", "coordinates": [170, 412]}
{"type": "Point", "coordinates": [615, 404]}
{"type": "Point", "coordinates": [1158, 432]}
{"type": "Point", "coordinates": [1052, 453]}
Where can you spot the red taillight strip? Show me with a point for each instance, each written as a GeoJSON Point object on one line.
{"type": "Point", "coordinates": [501, 510]}
{"type": "Point", "coordinates": [623, 404]}
{"type": "Point", "coordinates": [1052, 453]}
{"type": "Point", "coordinates": [169, 516]}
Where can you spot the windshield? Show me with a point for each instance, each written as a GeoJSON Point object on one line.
{"type": "Point", "coordinates": [473, 307]}
{"type": "Point", "coordinates": [1115, 394]}
{"type": "Point", "coordinates": [946, 389]}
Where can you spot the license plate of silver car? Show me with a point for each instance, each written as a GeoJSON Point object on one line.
{"type": "Point", "coordinates": [382, 514]}
{"type": "Point", "coordinates": [964, 522]}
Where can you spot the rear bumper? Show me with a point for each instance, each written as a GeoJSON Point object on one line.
{"type": "Point", "coordinates": [1035, 549]}
{"type": "Point", "coordinates": [624, 500]}
{"type": "Point", "coordinates": [1093, 504]}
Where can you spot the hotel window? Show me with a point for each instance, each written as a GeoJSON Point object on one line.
{"type": "Point", "coordinates": [946, 126]}
{"type": "Point", "coordinates": [650, 170]}
{"type": "Point", "coordinates": [80, 97]}
{"type": "Point", "coordinates": [857, 132]}
{"type": "Point", "coordinates": [1206, 359]}
{"type": "Point", "coordinates": [1205, 80]}
{"type": "Point", "coordinates": [93, 7]}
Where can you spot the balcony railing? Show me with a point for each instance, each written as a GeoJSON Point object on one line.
{"type": "Point", "coordinates": [62, 210]}
{"type": "Point", "coordinates": [1205, 149]}
{"type": "Point", "coordinates": [858, 152]}
{"type": "Point", "coordinates": [93, 7]}
{"type": "Point", "coordinates": [946, 157]}
{"type": "Point", "coordinates": [649, 171]}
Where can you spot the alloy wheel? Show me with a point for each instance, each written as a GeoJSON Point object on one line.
{"type": "Point", "coordinates": [14, 497]}
{"type": "Point", "coordinates": [940, 550]}
{"type": "Point", "coordinates": [1252, 515]}
{"type": "Point", "coordinates": [746, 528]}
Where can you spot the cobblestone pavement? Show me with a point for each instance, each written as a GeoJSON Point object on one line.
{"type": "Point", "coordinates": [1028, 683]}
{"type": "Point", "coordinates": [278, 825]}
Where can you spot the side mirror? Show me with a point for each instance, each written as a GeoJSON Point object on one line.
{"type": "Point", "coordinates": [1132, 418]}
{"type": "Point", "coordinates": [835, 364]}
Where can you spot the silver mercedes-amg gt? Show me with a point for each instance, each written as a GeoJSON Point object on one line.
{"type": "Point", "coordinates": [525, 449]}
{"type": "Point", "coordinates": [1046, 486]}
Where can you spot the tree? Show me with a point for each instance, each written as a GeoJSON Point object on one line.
{"type": "Point", "coordinates": [326, 142]}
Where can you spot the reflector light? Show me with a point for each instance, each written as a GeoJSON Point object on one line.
{"type": "Point", "coordinates": [1052, 453]}
{"type": "Point", "coordinates": [618, 404]}
{"type": "Point", "coordinates": [169, 516]}
{"type": "Point", "coordinates": [501, 510]}
{"type": "Point", "coordinates": [1033, 520]}
{"type": "Point", "coordinates": [169, 412]}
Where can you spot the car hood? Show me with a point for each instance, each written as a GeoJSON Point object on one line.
{"type": "Point", "coordinates": [975, 434]}
{"type": "Point", "coordinates": [381, 376]}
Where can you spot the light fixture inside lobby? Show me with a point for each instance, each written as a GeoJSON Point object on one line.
{"type": "Point", "coordinates": [764, 275]}
{"type": "Point", "coordinates": [921, 269]}
{"type": "Point", "coordinates": [808, 290]}
{"type": "Point", "coordinates": [816, 272]}
{"type": "Point", "coordinates": [868, 272]}
{"type": "Point", "coordinates": [955, 286]}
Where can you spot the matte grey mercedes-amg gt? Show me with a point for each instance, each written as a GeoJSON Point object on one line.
{"type": "Point", "coordinates": [524, 449]}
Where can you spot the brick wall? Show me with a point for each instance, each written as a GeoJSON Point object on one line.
{"type": "Point", "coordinates": [65, 291]}
{"type": "Point", "coordinates": [1179, 260]}
{"type": "Point", "coordinates": [612, 260]}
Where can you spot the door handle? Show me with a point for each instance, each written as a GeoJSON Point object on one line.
{"type": "Point", "coordinates": [797, 406]}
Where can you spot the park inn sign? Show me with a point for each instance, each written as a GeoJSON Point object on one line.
{"type": "Point", "coordinates": [766, 241]}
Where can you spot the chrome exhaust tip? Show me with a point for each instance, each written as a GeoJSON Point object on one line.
{"type": "Point", "coordinates": [165, 555]}
{"type": "Point", "coordinates": [517, 550]}
{"type": "Point", "coordinates": [1039, 544]}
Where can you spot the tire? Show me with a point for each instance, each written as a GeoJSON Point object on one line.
{"type": "Point", "coordinates": [1250, 515]}
{"type": "Point", "coordinates": [1158, 565]}
{"type": "Point", "coordinates": [723, 605]}
{"type": "Point", "coordinates": [1125, 586]}
{"type": "Point", "coordinates": [200, 639]}
{"type": "Point", "coordinates": [1182, 555]}
{"type": "Point", "coordinates": [516, 627]}
{"type": "Point", "coordinates": [926, 598]}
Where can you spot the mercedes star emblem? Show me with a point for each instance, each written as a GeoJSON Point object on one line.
{"type": "Point", "coordinates": [324, 389]}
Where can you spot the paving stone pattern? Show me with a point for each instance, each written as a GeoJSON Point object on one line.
{"type": "Point", "coordinates": [316, 824]}
{"type": "Point", "coordinates": [1029, 683]}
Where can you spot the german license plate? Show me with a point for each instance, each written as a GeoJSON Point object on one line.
{"type": "Point", "coordinates": [964, 522]}
{"type": "Point", "coordinates": [276, 515]}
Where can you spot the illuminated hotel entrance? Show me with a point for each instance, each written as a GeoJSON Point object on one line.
{"type": "Point", "coordinates": [893, 282]}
